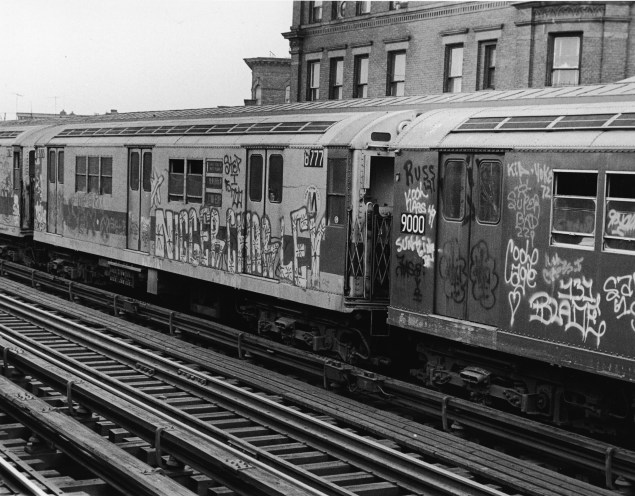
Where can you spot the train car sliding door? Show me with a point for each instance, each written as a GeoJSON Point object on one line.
{"type": "Point", "coordinates": [139, 189]}
{"type": "Point", "coordinates": [55, 190]}
{"type": "Point", "coordinates": [469, 237]}
{"type": "Point", "coordinates": [261, 227]}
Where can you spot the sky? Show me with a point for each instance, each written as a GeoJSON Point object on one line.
{"type": "Point", "coordinates": [91, 56]}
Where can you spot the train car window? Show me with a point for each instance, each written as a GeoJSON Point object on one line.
{"type": "Point", "coordinates": [60, 167]}
{"type": "Point", "coordinates": [619, 221]}
{"type": "Point", "coordinates": [255, 178]}
{"type": "Point", "coordinates": [93, 174]}
{"type": "Point", "coordinates": [336, 191]}
{"type": "Point", "coordinates": [17, 176]}
{"type": "Point", "coordinates": [574, 206]}
{"type": "Point", "coordinates": [80, 174]}
{"type": "Point", "coordinates": [106, 176]}
{"type": "Point", "coordinates": [275, 179]}
{"type": "Point", "coordinates": [52, 166]}
{"type": "Point", "coordinates": [133, 180]}
{"type": "Point", "coordinates": [176, 181]}
{"type": "Point", "coordinates": [454, 190]}
{"type": "Point", "coordinates": [194, 181]}
{"type": "Point", "coordinates": [490, 175]}
{"type": "Point", "coordinates": [146, 177]}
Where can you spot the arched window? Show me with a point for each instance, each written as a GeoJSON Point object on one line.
{"type": "Point", "coordinates": [287, 94]}
{"type": "Point", "coordinates": [258, 95]}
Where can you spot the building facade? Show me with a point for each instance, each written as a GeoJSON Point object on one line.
{"type": "Point", "coordinates": [270, 80]}
{"type": "Point", "coordinates": [343, 50]}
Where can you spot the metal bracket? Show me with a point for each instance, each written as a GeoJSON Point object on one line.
{"type": "Point", "coordinates": [157, 446]}
{"type": "Point", "coordinates": [608, 467]}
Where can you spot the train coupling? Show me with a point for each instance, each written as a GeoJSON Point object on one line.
{"type": "Point", "coordinates": [475, 376]}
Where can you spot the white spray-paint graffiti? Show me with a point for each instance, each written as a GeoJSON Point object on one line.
{"type": "Point", "coordinates": [520, 273]}
{"type": "Point", "coordinates": [575, 307]}
{"type": "Point", "coordinates": [621, 291]}
{"type": "Point", "coordinates": [620, 223]}
{"type": "Point", "coordinates": [527, 208]}
{"type": "Point", "coordinates": [541, 173]}
{"type": "Point", "coordinates": [423, 246]}
{"type": "Point", "coordinates": [556, 268]}
{"type": "Point", "coordinates": [416, 203]}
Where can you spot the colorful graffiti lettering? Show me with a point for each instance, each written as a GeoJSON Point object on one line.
{"type": "Point", "coordinates": [520, 273]}
{"type": "Point", "coordinates": [408, 269]}
{"type": "Point", "coordinates": [621, 290]}
{"type": "Point", "coordinates": [452, 269]}
{"type": "Point", "coordinates": [620, 223]}
{"type": "Point", "coordinates": [232, 170]}
{"type": "Point", "coordinates": [556, 268]}
{"type": "Point", "coordinates": [576, 307]}
{"type": "Point", "coordinates": [423, 246]}
{"type": "Point", "coordinates": [527, 207]}
{"type": "Point", "coordinates": [420, 174]}
{"type": "Point", "coordinates": [483, 275]}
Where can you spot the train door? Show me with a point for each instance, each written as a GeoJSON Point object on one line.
{"type": "Point", "coordinates": [27, 193]}
{"type": "Point", "coordinates": [55, 190]}
{"type": "Point", "coordinates": [139, 189]}
{"type": "Point", "coordinates": [469, 236]}
{"type": "Point", "coordinates": [17, 180]}
{"type": "Point", "coordinates": [263, 210]}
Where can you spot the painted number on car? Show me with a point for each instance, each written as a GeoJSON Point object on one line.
{"type": "Point", "coordinates": [313, 158]}
{"type": "Point", "coordinates": [413, 223]}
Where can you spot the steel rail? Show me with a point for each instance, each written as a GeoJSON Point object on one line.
{"type": "Point", "coordinates": [221, 462]}
{"type": "Point", "coordinates": [586, 453]}
{"type": "Point", "coordinates": [411, 473]}
{"type": "Point", "coordinates": [20, 478]}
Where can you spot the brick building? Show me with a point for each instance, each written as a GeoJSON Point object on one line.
{"type": "Point", "coordinates": [374, 49]}
{"type": "Point", "coordinates": [270, 80]}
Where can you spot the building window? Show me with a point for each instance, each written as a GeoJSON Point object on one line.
{"type": "Point", "coordinates": [313, 81]}
{"type": "Point", "coordinates": [396, 74]}
{"type": "Point", "coordinates": [287, 94]}
{"type": "Point", "coordinates": [337, 79]}
{"type": "Point", "coordinates": [398, 5]}
{"type": "Point", "coordinates": [487, 55]}
{"type": "Point", "coordinates": [93, 175]}
{"type": "Point", "coordinates": [574, 204]}
{"type": "Point", "coordinates": [619, 229]}
{"type": "Point", "coordinates": [453, 68]}
{"type": "Point", "coordinates": [258, 95]}
{"type": "Point", "coordinates": [360, 87]}
{"type": "Point", "coordinates": [362, 8]}
{"type": "Point", "coordinates": [186, 181]}
{"type": "Point", "coordinates": [315, 11]}
{"type": "Point", "coordinates": [275, 179]}
{"type": "Point", "coordinates": [564, 60]}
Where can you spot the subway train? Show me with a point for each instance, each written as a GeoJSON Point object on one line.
{"type": "Point", "coordinates": [483, 243]}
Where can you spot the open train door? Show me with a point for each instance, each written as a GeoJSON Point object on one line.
{"type": "Point", "coordinates": [469, 258]}
{"type": "Point", "coordinates": [261, 227]}
{"type": "Point", "coordinates": [139, 190]}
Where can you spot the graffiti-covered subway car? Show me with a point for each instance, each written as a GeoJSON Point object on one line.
{"type": "Point", "coordinates": [514, 232]}
{"type": "Point", "coordinates": [261, 204]}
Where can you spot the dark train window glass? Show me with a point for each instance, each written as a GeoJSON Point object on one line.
{"type": "Point", "coordinates": [60, 167]}
{"type": "Point", "coordinates": [93, 174]}
{"type": "Point", "coordinates": [17, 158]}
{"type": "Point", "coordinates": [213, 199]}
{"type": "Point", "coordinates": [176, 181]}
{"type": "Point", "coordinates": [52, 166]}
{"type": "Point", "coordinates": [619, 221]}
{"type": "Point", "coordinates": [194, 183]}
{"type": "Point", "coordinates": [336, 192]}
{"type": "Point", "coordinates": [573, 208]}
{"type": "Point", "coordinates": [275, 179]}
{"type": "Point", "coordinates": [106, 176]}
{"type": "Point", "coordinates": [80, 174]}
{"type": "Point", "coordinates": [454, 190]}
{"type": "Point", "coordinates": [255, 178]}
{"type": "Point", "coordinates": [489, 192]}
{"type": "Point", "coordinates": [133, 179]}
{"type": "Point", "coordinates": [146, 178]}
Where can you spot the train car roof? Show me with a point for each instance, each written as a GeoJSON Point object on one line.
{"type": "Point", "coordinates": [592, 125]}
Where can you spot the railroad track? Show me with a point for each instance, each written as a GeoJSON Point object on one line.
{"type": "Point", "coordinates": [318, 451]}
{"type": "Point", "coordinates": [600, 459]}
